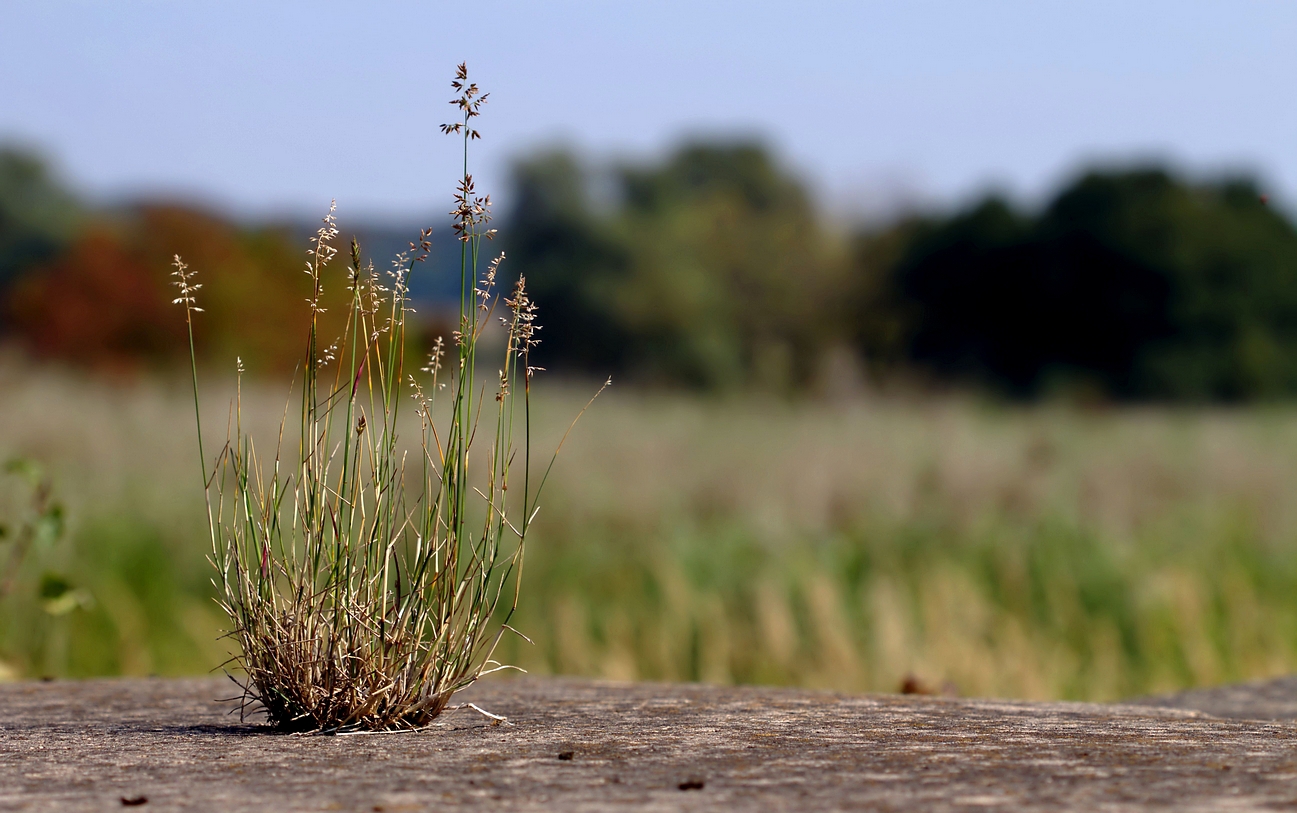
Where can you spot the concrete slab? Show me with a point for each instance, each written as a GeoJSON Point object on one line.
{"type": "Point", "coordinates": [1261, 700]}
{"type": "Point", "coordinates": [579, 745]}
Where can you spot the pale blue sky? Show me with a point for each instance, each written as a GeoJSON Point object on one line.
{"type": "Point", "coordinates": [274, 107]}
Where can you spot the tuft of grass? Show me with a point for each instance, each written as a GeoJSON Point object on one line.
{"type": "Point", "coordinates": [367, 582]}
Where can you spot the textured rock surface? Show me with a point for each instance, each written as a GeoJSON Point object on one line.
{"type": "Point", "coordinates": [573, 745]}
{"type": "Point", "coordinates": [1268, 700]}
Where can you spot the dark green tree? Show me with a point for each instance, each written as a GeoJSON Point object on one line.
{"type": "Point", "coordinates": [1133, 282]}
{"type": "Point", "coordinates": [572, 261]}
{"type": "Point", "coordinates": [37, 215]}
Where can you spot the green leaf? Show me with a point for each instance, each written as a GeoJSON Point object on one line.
{"type": "Point", "coordinates": [49, 526]}
{"type": "Point", "coordinates": [53, 585]}
{"type": "Point", "coordinates": [27, 469]}
{"type": "Point", "coordinates": [59, 596]}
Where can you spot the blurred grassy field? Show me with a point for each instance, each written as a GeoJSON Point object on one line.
{"type": "Point", "coordinates": [1044, 552]}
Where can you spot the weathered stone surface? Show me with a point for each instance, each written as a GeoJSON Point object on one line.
{"type": "Point", "coordinates": [1263, 700]}
{"type": "Point", "coordinates": [573, 745]}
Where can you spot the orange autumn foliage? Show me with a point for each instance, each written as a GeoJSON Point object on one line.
{"type": "Point", "coordinates": [106, 302]}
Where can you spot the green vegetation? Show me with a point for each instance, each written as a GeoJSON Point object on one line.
{"type": "Point", "coordinates": [1132, 284]}
{"type": "Point", "coordinates": [30, 589]}
{"type": "Point", "coordinates": [37, 216]}
{"type": "Point", "coordinates": [711, 271]}
{"type": "Point", "coordinates": [1043, 552]}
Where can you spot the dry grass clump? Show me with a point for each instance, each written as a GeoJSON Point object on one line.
{"type": "Point", "coordinates": [366, 588]}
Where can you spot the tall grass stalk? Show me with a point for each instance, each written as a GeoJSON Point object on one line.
{"type": "Point", "coordinates": [366, 588]}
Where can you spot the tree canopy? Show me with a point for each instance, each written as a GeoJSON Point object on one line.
{"type": "Point", "coordinates": [1134, 282]}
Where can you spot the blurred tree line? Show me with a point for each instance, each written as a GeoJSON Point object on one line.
{"type": "Point", "coordinates": [1132, 284]}
{"type": "Point", "coordinates": [716, 268]}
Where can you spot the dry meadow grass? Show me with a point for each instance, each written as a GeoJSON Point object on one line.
{"type": "Point", "coordinates": [1028, 552]}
